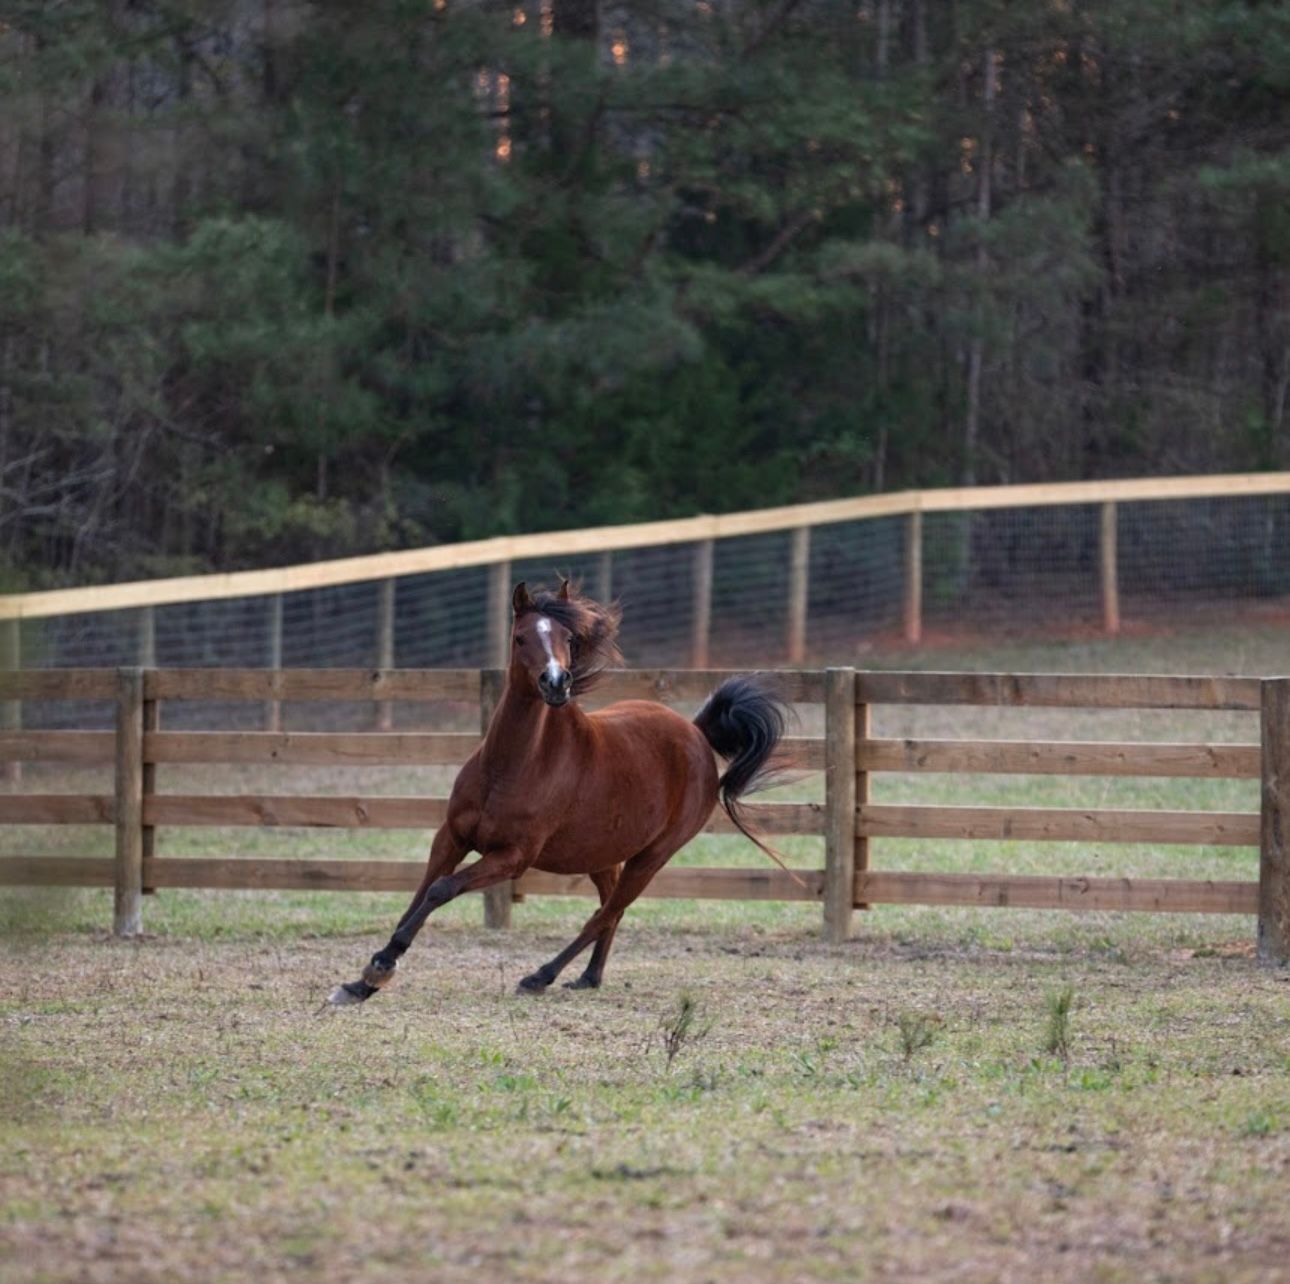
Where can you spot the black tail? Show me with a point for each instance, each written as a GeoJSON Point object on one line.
{"type": "Point", "coordinates": [743, 720]}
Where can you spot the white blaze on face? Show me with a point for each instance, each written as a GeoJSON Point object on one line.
{"type": "Point", "coordinates": [553, 667]}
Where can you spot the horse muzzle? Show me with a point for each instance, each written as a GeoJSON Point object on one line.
{"type": "Point", "coordinates": [556, 689]}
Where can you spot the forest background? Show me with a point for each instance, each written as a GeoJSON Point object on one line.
{"type": "Point", "coordinates": [282, 279]}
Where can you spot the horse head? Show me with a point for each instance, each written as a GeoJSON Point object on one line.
{"type": "Point", "coordinates": [542, 648]}
{"type": "Point", "coordinates": [561, 641]}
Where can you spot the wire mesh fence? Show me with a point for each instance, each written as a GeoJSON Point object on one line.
{"type": "Point", "coordinates": [831, 593]}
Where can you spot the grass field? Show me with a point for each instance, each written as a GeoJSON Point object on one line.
{"type": "Point", "coordinates": [956, 1095]}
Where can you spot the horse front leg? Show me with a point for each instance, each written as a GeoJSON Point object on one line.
{"type": "Point", "coordinates": [493, 867]}
{"type": "Point", "coordinates": [447, 851]}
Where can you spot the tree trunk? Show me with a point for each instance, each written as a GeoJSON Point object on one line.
{"type": "Point", "coordinates": [574, 20]}
{"type": "Point", "coordinates": [579, 19]}
{"type": "Point", "coordinates": [976, 355]}
{"type": "Point", "coordinates": [1273, 319]}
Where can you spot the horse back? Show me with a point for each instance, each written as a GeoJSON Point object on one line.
{"type": "Point", "coordinates": [641, 736]}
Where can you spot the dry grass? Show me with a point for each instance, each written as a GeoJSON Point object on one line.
{"type": "Point", "coordinates": [176, 1108]}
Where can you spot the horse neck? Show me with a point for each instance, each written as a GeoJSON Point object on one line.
{"type": "Point", "coordinates": [521, 720]}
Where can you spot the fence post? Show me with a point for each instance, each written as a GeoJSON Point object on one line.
{"type": "Point", "coordinates": [11, 710]}
{"type": "Point", "coordinates": [839, 802]}
{"type": "Point", "coordinates": [499, 615]}
{"type": "Point", "coordinates": [701, 614]}
{"type": "Point", "coordinates": [385, 648]}
{"type": "Point", "coordinates": [273, 709]}
{"type": "Point", "coordinates": [127, 919]}
{"type": "Point", "coordinates": [864, 729]}
{"type": "Point", "coordinates": [605, 576]}
{"type": "Point", "coordinates": [147, 646]}
{"type": "Point", "coordinates": [1110, 567]}
{"type": "Point", "coordinates": [498, 898]}
{"type": "Point", "coordinates": [914, 577]}
{"type": "Point", "coordinates": [151, 722]}
{"type": "Point", "coordinates": [1274, 836]}
{"type": "Point", "coordinates": [799, 583]}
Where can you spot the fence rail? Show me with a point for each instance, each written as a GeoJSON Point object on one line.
{"type": "Point", "coordinates": [817, 575]}
{"type": "Point", "coordinates": [702, 530]}
{"type": "Point", "coordinates": [848, 820]}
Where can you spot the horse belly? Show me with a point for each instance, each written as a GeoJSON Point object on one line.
{"type": "Point", "coordinates": [602, 842]}
{"type": "Point", "coordinates": [626, 821]}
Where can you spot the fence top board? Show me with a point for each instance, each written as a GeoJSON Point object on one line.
{"type": "Point", "coordinates": [1063, 691]}
{"type": "Point", "coordinates": [801, 686]}
{"type": "Point", "coordinates": [798, 686]}
{"type": "Point", "coordinates": [312, 684]}
{"type": "Point", "coordinates": [309, 748]}
{"type": "Point", "coordinates": [558, 544]}
{"type": "Point", "coordinates": [58, 684]}
{"type": "Point", "coordinates": [1131, 490]}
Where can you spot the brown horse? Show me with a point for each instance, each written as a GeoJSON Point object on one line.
{"type": "Point", "coordinates": [612, 794]}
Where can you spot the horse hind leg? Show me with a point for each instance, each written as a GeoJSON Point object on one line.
{"type": "Point", "coordinates": [633, 878]}
{"type": "Point", "coordinates": [605, 880]}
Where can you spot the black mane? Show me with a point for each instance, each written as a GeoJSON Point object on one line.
{"type": "Point", "coordinates": [594, 631]}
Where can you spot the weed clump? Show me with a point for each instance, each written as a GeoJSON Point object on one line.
{"type": "Point", "coordinates": [915, 1031]}
{"type": "Point", "coordinates": [684, 1025]}
{"type": "Point", "coordinates": [1057, 1027]}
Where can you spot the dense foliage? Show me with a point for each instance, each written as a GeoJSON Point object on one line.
{"type": "Point", "coordinates": [283, 279]}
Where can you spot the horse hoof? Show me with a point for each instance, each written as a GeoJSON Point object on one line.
{"type": "Point", "coordinates": [346, 996]}
{"type": "Point", "coordinates": [532, 985]}
{"type": "Point", "coordinates": [582, 983]}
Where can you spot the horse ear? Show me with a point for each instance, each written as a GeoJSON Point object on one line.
{"type": "Point", "coordinates": [564, 590]}
{"type": "Point", "coordinates": [520, 599]}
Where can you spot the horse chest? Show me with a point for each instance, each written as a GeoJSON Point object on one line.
{"type": "Point", "coordinates": [511, 816]}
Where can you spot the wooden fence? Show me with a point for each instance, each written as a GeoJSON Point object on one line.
{"type": "Point", "coordinates": [847, 820]}
{"type": "Point", "coordinates": [501, 552]}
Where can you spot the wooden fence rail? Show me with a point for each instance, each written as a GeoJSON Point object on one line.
{"type": "Point", "coordinates": [497, 557]}
{"type": "Point", "coordinates": [849, 821]}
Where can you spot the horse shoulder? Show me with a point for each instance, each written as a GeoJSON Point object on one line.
{"type": "Point", "coordinates": [466, 798]}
